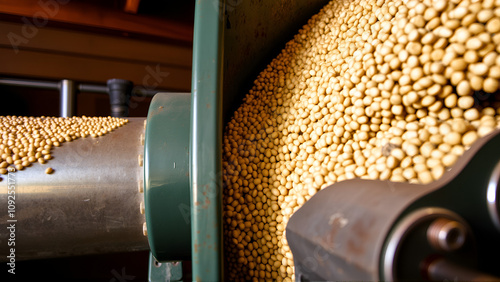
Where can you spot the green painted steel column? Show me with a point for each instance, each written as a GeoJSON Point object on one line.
{"type": "Point", "coordinates": [206, 142]}
{"type": "Point", "coordinates": [166, 177]}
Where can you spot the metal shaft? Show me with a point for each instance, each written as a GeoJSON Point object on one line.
{"type": "Point", "coordinates": [441, 269]}
{"type": "Point", "coordinates": [88, 88]}
{"type": "Point", "coordinates": [67, 98]}
{"type": "Point", "coordinates": [89, 205]}
{"type": "Point", "coordinates": [29, 83]}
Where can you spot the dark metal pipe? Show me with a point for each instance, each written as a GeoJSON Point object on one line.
{"type": "Point", "coordinates": [119, 91]}
{"type": "Point", "coordinates": [29, 83]}
{"type": "Point", "coordinates": [141, 91]}
{"type": "Point", "coordinates": [91, 88]}
{"type": "Point", "coordinates": [441, 269]}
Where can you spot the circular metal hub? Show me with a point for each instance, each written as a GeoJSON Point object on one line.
{"type": "Point", "coordinates": [423, 234]}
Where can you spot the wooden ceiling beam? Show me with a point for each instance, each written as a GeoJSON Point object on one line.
{"type": "Point", "coordinates": [132, 6]}
{"type": "Point", "coordinates": [40, 13]}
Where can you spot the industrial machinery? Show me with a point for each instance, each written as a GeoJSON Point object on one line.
{"type": "Point", "coordinates": [382, 230]}
{"type": "Point", "coordinates": [156, 183]}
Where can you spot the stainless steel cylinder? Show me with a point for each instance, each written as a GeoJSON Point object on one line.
{"type": "Point", "coordinates": [67, 107]}
{"type": "Point", "coordinates": [90, 204]}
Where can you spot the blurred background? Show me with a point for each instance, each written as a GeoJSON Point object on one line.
{"type": "Point", "coordinates": [89, 42]}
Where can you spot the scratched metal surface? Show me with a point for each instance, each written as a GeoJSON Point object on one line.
{"type": "Point", "coordinates": [89, 205]}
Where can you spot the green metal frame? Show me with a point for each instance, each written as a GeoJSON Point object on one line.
{"type": "Point", "coordinates": [242, 59]}
{"type": "Point", "coordinates": [206, 142]}
{"type": "Point", "coordinates": [171, 199]}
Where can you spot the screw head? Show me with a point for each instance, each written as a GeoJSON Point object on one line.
{"type": "Point", "coordinates": [142, 208]}
{"type": "Point", "coordinates": [446, 234]}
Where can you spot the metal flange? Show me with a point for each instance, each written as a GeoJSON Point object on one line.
{"type": "Point", "coordinates": [167, 195]}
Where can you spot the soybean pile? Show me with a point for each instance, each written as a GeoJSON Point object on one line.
{"type": "Point", "coordinates": [27, 140]}
{"type": "Point", "coordinates": [389, 90]}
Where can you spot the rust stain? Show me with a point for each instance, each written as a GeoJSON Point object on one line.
{"type": "Point", "coordinates": [354, 248]}
{"type": "Point", "coordinates": [208, 106]}
{"type": "Point", "coordinates": [207, 203]}
{"type": "Point", "coordinates": [333, 233]}
{"type": "Point", "coordinates": [154, 113]}
{"type": "Point", "coordinates": [337, 222]}
{"type": "Point", "coordinates": [360, 234]}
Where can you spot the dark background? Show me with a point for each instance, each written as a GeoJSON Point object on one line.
{"type": "Point", "coordinates": [147, 26]}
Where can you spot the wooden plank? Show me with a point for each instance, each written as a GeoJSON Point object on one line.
{"type": "Point", "coordinates": [93, 45]}
{"type": "Point", "coordinates": [94, 70]}
{"type": "Point", "coordinates": [131, 6]}
{"type": "Point", "coordinates": [38, 13]}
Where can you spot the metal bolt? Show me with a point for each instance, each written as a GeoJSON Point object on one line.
{"type": "Point", "coordinates": [140, 185]}
{"type": "Point", "coordinates": [157, 263]}
{"type": "Point", "coordinates": [446, 234]}
{"type": "Point", "coordinates": [140, 159]}
{"type": "Point", "coordinates": [144, 229]}
{"type": "Point", "coordinates": [142, 139]}
{"type": "Point", "coordinates": [142, 208]}
{"type": "Point", "coordinates": [145, 122]}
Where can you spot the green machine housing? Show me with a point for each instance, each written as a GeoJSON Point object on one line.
{"type": "Point", "coordinates": [233, 41]}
